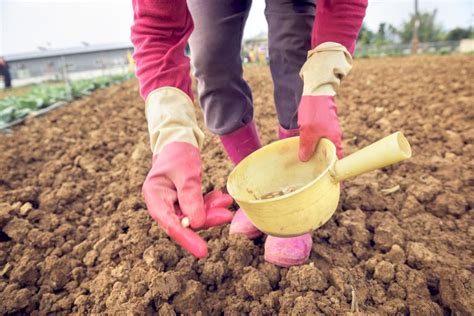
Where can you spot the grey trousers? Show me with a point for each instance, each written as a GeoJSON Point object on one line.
{"type": "Point", "coordinates": [215, 45]}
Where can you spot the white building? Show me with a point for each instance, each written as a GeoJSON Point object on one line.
{"type": "Point", "coordinates": [75, 63]}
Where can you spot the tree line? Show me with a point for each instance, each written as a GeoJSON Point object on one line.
{"type": "Point", "coordinates": [429, 30]}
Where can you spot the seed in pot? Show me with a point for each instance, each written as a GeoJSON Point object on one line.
{"type": "Point", "coordinates": [273, 194]}
{"type": "Point", "coordinates": [281, 192]}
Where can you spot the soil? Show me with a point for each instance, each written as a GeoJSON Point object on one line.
{"type": "Point", "coordinates": [15, 91]}
{"type": "Point", "coordinates": [75, 236]}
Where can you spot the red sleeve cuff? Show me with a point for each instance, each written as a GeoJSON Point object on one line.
{"type": "Point", "coordinates": [159, 34]}
{"type": "Point", "coordinates": [338, 21]}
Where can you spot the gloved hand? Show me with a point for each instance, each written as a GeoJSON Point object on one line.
{"type": "Point", "coordinates": [317, 118]}
{"type": "Point", "coordinates": [326, 66]}
{"type": "Point", "coordinates": [172, 190]}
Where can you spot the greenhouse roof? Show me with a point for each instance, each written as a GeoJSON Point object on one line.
{"type": "Point", "coordinates": [68, 51]}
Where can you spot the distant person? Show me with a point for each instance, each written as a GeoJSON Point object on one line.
{"type": "Point", "coordinates": [310, 53]}
{"type": "Point", "coordinates": [5, 73]}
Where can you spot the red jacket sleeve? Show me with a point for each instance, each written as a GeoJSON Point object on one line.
{"type": "Point", "coordinates": [338, 21]}
{"type": "Point", "coordinates": [160, 32]}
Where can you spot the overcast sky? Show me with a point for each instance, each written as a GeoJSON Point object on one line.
{"type": "Point", "coordinates": [25, 25]}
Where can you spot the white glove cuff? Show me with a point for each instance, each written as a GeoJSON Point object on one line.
{"type": "Point", "coordinates": [171, 118]}
{"type": "Point", "coordinates": [327, 64]}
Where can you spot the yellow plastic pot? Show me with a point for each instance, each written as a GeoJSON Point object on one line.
{"type": "Point", "coordinates": [314, 184]}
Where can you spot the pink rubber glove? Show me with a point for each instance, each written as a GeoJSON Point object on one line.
{"type": "Point", "coordinates": [172, 190]}
{"type": "Point", "coordinates": [317, 117]}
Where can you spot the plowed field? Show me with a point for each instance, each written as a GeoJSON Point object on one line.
{"type": "Point", "coordinates": [75, 236]}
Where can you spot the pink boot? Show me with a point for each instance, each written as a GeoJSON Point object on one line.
{"type": "Point", "coordinates": [241, 225]}
{"type": "Point", "coordinates": [287, 252]}
{"type": "Point", "coordinates": [287, 133]}
{"type": "Point", "coordinates": [238, 145]}
{"type": "Point", "coordinates": [241, 142]}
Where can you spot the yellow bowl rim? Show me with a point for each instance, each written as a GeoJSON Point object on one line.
{"type": "Point", "coordinates": [281, 197]}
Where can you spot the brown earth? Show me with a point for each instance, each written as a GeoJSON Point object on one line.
{"type": "Point", "coordinates": [14, 91]}
{"type": "Point", "coordinates": [75, 236]}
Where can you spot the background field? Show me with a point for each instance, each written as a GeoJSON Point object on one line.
{"type": "Point", "coordinates": [75, 235]}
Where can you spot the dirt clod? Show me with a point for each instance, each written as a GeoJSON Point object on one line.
{"type": "Point", "coordinates": [255, 283]}
{"type": "Point", "coordinates": [418, 255]}
{"type": "Point", "coordinates": [306, 277]}
{"type": "Point", "coordinates": [384, 271]}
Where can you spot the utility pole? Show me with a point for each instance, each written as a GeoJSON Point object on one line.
{"type": "Point", "coordinates": [65, 73]}
{"type": "Point", "coordinates": [416, 25]}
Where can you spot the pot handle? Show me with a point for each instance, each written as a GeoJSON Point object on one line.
{"type": "Point", "coordinates": [385, 152]}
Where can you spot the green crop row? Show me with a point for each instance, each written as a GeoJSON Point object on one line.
{"type": "Point", "coordinates": [42, 96]}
